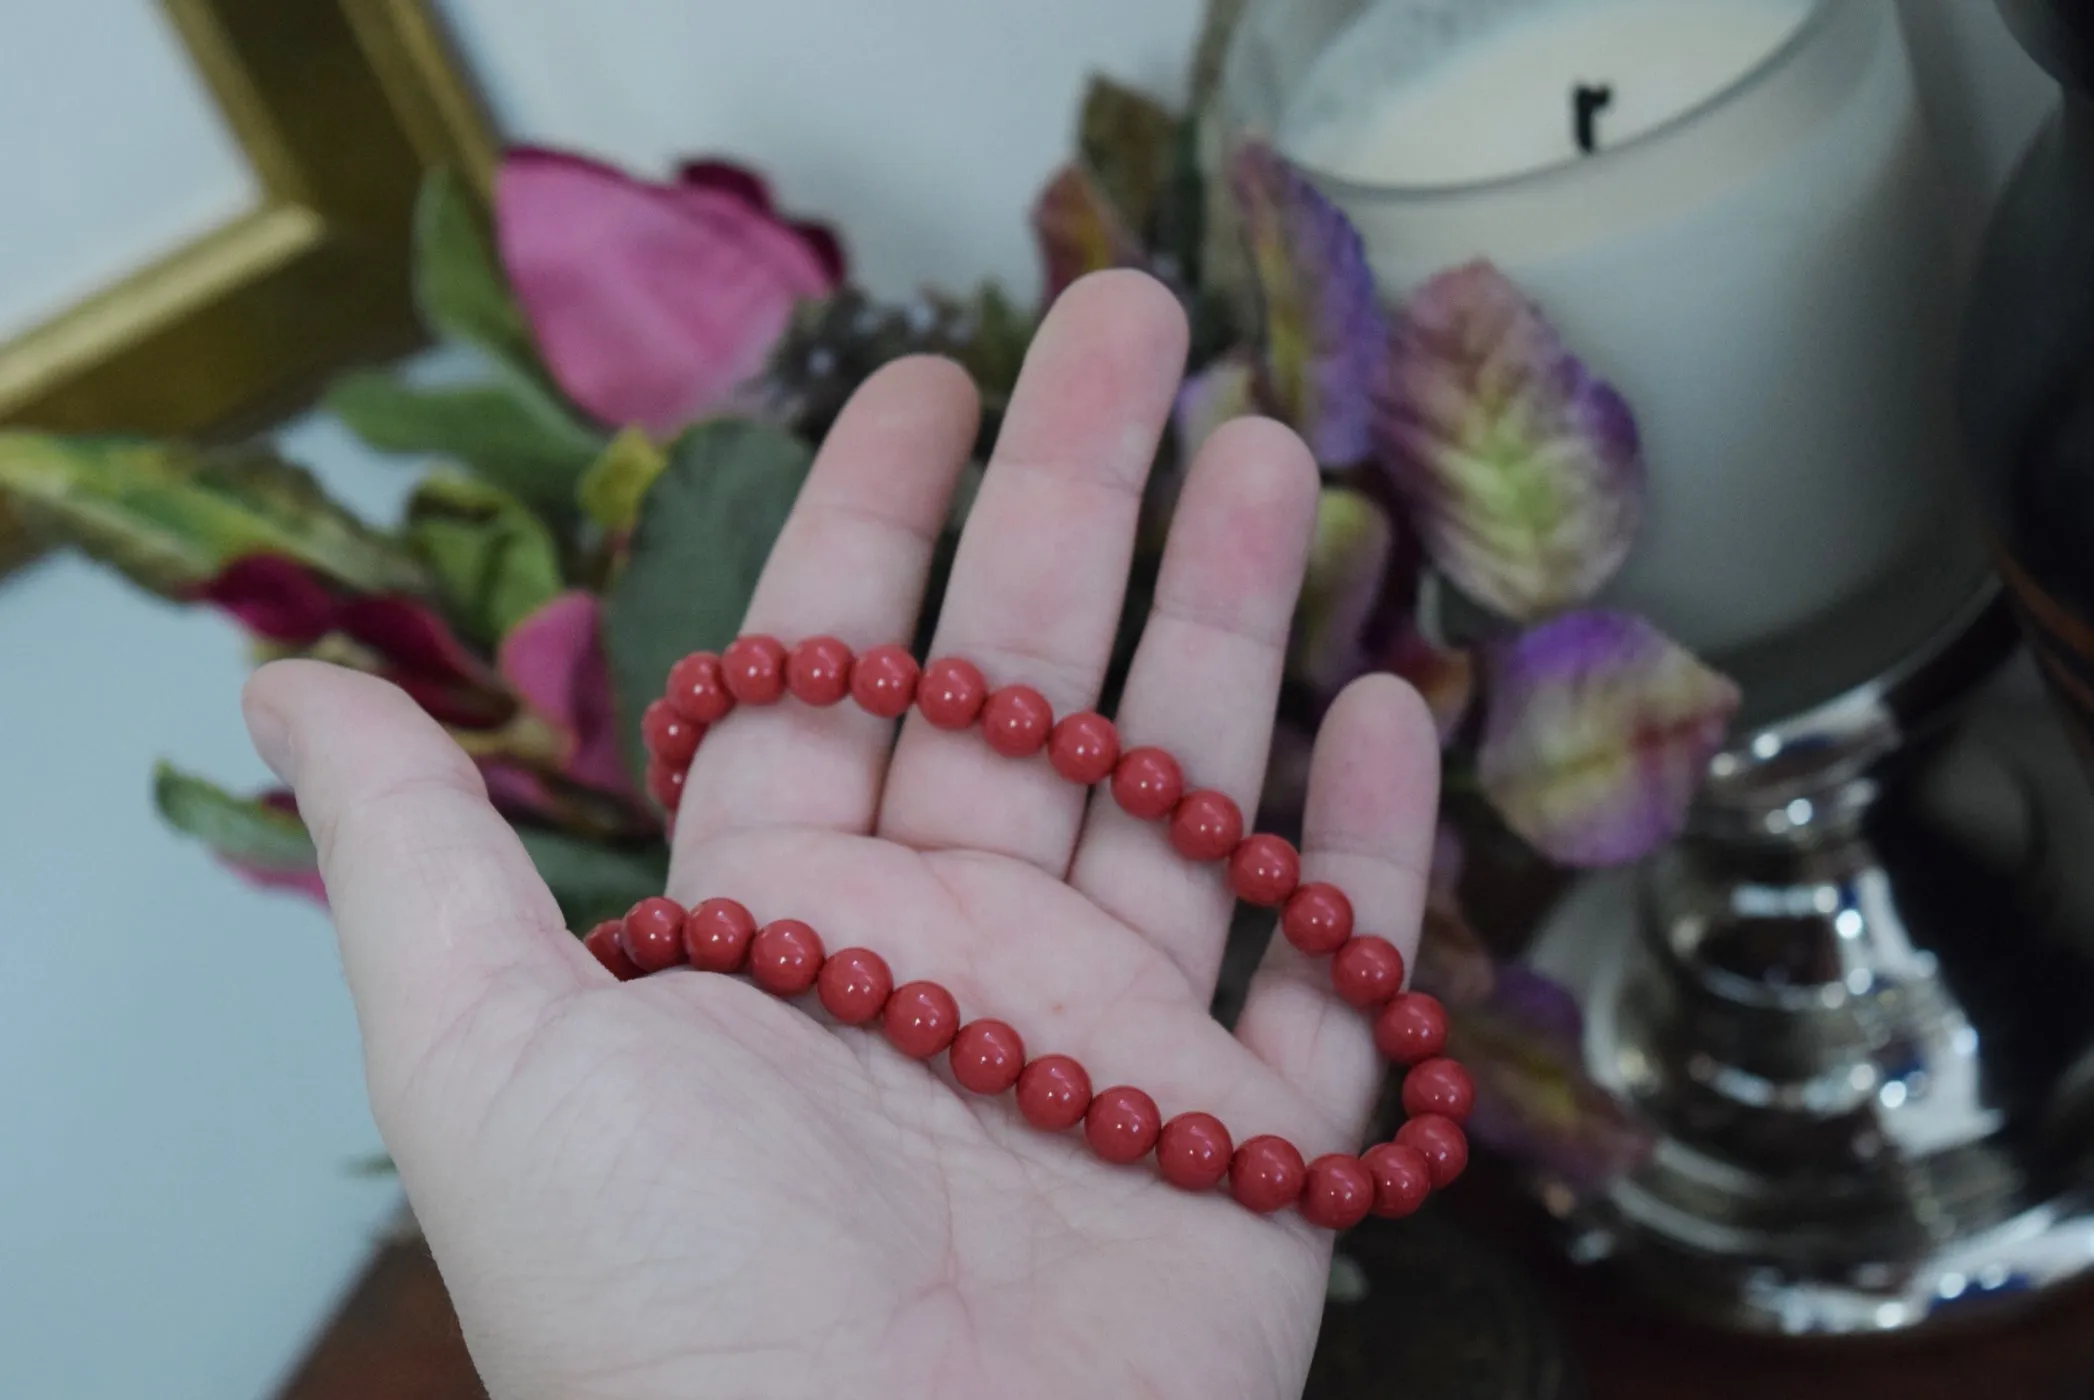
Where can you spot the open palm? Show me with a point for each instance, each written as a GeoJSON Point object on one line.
{"type": "Point", "coordinates": [680, 1187]}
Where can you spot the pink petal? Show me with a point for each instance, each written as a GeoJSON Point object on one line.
{"type": "Point", "coordinates": [263, 877]}
{"type": "Point", "coordinates": [554, 658]}
{"type": "Point", "coordinates": [650, 303]}
{"type": "Point", "coordinates": [274, 598]}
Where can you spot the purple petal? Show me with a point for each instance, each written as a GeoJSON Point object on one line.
{"type": "Point", "coordinates": [650, 303]}
{"type": "Point", "coordinates": [1443, 676]}
{"type": "Point", "coordinates": [1597, 735]}
{"type": "Point", "coordinates": [554, 658]}
{"type": "Point", "coordinates": [1534, 1100]}
{"type": "Point", "coordinates": [1322, 336]}
{"type": "Point", "coordinates": [1078, 230]}
{"type": "Point", "coordinates": [1522, 470]}
{"type": "Point", "coordinates": [1453, 964]}
{"type": "Point", "coordinates": [1224, 390]}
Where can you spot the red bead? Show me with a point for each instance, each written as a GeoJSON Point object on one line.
{"type": "Point", "coordinates": [665, 784]}
{"type": "Point", "coordinates": [1193, 1151]}
{"type": "Point", "coordinates": [883, 681]}
{"type": "Point", "coordinates": [1147, 783]}
{"type": "Point", "coordinates": [653, 934]}
{"type": "Point", "coordinates": [1084, 748]}
{"type": "Point", "coordinates": [920, 1019]}
{"type": "Point", "coordinates": [1337, 1192]}
{"type": "Point", "coordinates": [671, 740]}
{"type": "Point", "coordinates": [698, 689]}
{"type": "Point", "coordinates": [1121, 1124]}
{"type": "Point", "coordinates": [1317, 919]}
{"type": "Point", "coordinates": [1206, 825]}
{"type": "Point", "coordinates": [1264, 870]}
{"type": "Point", "coordinates": [754, 668]}
{"type": "Point", "coordinates": [951, 693]}
{"type": "Point", "coordinates": [1016, 720]}
{"type": "Point", "coordinates": [1439, 1086]}
{"type": "Point", "coordinates": [785, 957]}
{"type": "Point", "coordinates": [1444, 1145]}
{"type": "Point", "coordinates": [1266, 1174]}
{"type": "Point", "coordinates": [1053, 1093]}
{"type": "Point", "coordinates": [603, 941]}
{"type": "Point", "coordinates": [819, 671]}
{"type": "Point", "coordinates": [987, 1057]}
{"type": "Point", "coordinates": [1402, 1179]}
{"type": "Point", "coordinates": [1411, 1028]}
{"type": "Point", "coordinates": [716, 935]}
{"type": "Point", "coordinates": [1367, 971]}
{"type": "Point", "coordinates": [855, 984]}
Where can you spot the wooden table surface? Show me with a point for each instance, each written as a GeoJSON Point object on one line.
{"type": "Point", "coordinates": [397, 1338]}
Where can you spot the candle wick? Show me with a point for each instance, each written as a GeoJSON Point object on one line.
{"type": "Point", "coordinates": [1587, 102]}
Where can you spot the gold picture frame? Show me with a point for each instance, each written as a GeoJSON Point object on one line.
{"type": "Point", "coordinates": [339, 107]}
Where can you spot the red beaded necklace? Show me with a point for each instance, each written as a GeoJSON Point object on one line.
{"type": "Point", "coordinates": [1121, 1124]}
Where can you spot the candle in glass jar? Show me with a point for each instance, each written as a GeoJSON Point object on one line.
{"type": "Point", "coordinates": [1753, 250]}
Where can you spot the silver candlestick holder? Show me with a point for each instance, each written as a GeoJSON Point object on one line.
{"type": "Point", "coordinates": [1842, 1002]}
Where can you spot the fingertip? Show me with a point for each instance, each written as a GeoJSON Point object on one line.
{"type": "Point", "coordinates": [1130, 305]}
{"type": "Point", "coordinates": [1375, 777]}
{"type": "Point", "coordinates": [920, 384]}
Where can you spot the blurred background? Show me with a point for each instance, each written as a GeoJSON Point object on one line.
{"type": "Point", "coordinates": [185, 1191]}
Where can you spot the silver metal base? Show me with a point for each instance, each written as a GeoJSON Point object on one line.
{"type": "Point", "coordinates": [1843, 1003]}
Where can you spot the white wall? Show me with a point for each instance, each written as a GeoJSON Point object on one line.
{"type": "Point", "coordinates": [179, 1089]}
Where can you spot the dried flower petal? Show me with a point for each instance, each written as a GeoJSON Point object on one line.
{"type": "Point", "coordinates": [1453, 963]}
{"type": "Point", "coordinates": [1079, 231]}
{"type": "Point", "coordinates": [554, 658]}
{"type": "Point", "coordinates": [1321, 332]}
{"type": "Point", "coordinates": [1443, 676]}
{"type": "Point", "coordinates": [651, 303]}
{"type": "Point", "coordinates": [1522, 470]}
{"type": "Point", "coordinates": [1224, 390]}
{"type": "Point", "coordinates": [1342, 592]}
{"type": "Point", "coordinates": [1534, 1100]}
{"type": "Point", "coordinates": [1598, 732]}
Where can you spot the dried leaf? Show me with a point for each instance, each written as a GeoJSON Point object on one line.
{"type": "Point", "coordinates": [259, 838]}
{"type": "Point", "coordinates": [1321, 332]}
{"type": "Point", "coordinates": [494, 562]}
{"type": "Point", "coordinates": [1079, 231]}
{"type": "Point", "coordinates": [1129, 144]}
{"type": "Point", "coordinates": [611, 490]}
{"type": "Point", "coordinates": [1522, 470]}
{"type": "Point", "coordinates": [1597, 735]}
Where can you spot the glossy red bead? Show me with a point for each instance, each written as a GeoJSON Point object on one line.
{"type": "Point", "coordinates": [921, 1019]}
{"type": "Point", "coordinates": [1367, 971]}
{"type": "Point", "coordinates": [653, 933]}
{"type": "Point", "coordinates": [1206, 825]}
{"type": "Point", "coordinates": [1054, 1092]}
{"type": "Point", "coordinates": [1442, 1143]}
{"type": "Point", "coordinates": [1084, 748]}
{"type": "Point", "coordinates": [785, 957]}
{"type": "Point", "coordinates": [1016, 721]}
{"type": "Point", "coordinates": [754, 668]}
{"type": "Point", "coordinates": [1122, 1124]}
{"type": "Point", "coordinates": [1411, 1028]}
{"type": "Point", "coordinates": [951, 692]}
{"type": "Point", "coordinates": [1266, 1174]}
{"type": "Point", "coordinates": [883, 681]}
{"type": "Point", "coordinates": [716, 935]}
{"type": "Point", "coordinates": [854, 985]}
{"type": "Point", "coordinates": [698, 689]}
{"type": "Point", "coordinates": [1193, 1150]}
{"type": "Point", "coordinates": [818, 671]}
{"type": "Point", "coordinates": [1147, 783]}
{"type": "Point", "coordinates": [603, 941]}
{"type": "Point", "coordinates": [1337, 1192]}
{"type": "Point", "coordinates": [1317, 919]}
{"type": "Point", "coordinates": [1402, 1179]}
{"type": "Point", "coordinates": [1264, 870]}
{"type": "Point", "coordinates": [671, 739]}
{"type": "Point", "coordinates": [987, 1057]}
{"type": "Point", "coordinates": [665, 784]}
{"type": "Point", "coordinates": [1439, 1086]}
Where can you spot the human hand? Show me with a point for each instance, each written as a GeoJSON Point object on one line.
{"type": "Point", "coordinates": [681, 1187]}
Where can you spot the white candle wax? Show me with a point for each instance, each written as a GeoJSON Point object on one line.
{"type": "Point", "coordinates": [1756, 257]}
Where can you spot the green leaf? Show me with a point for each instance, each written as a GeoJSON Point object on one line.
{"type": "Point", "coordinates": [705, 530]}
{"type": "Point", "coordinates": [240, 829]}
{"type": "Point", "coordinates": [170, 518]}
{"type": "Point", "coordinates": [458, 280]}
{"type": "Point", "coordinates": [513, 433]}
{"type": "Point", "coordinates": [1130, 145]}
{"type": "Point", "coordinates": [495, 562]}
{"type": "Point", "coordinates": [591, 880]}
{"type": "Point", "coordinates": [611, 490]}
